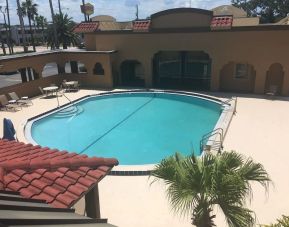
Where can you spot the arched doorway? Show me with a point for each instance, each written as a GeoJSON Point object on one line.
{"type": "Point", "coordinates": [237, 77]}
{"type": "Point", "coordinates": [274, 78]}
{"type": "Point", "coordinates": [182, 69]}
{"type": "Point", "coordinates": [132, 73]}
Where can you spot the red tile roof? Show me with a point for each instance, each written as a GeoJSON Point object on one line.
{"type": "Point", "coordinates": [58, 177]}
{"type": "Point", "coordinates": [219, 23]}
{"type": "Point", "coordinates": [86, 27]}
{"type": "Point", "coordinates": [141, 25]}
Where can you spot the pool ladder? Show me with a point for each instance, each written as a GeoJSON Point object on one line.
{"type": "Point", "coordinates": [229, 102]}
{"type": "Point", "coordinates": [73, 110]}
{"type": "Point", "coordinates": [213, 141]}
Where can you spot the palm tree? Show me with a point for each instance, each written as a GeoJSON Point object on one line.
{"type": "Point", "coordinates": [19, 12]}
{"type": "Point", "coordinates": [41, 22]}
{"type": "Point", "coordinates": [198, 185]}
{"type": "Point", "coordinates": [64, 28]}
{"type": "Point", "coordinates": [281, 222]}
{"type": "Point", "coordinates": [55, 42]}
{"type": "Point", "coordinates": [9, 27]}
{"type": "Point", "coordinates": [29, 9]}
{"type": "Point", "coordinates": [59, 7]}
{"type": "Point", "coordinates": [7, 37]}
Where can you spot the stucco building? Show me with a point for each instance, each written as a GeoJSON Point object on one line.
{"type": "Point", "coordinates": [220, 50]}
{"type": "Point", "coordinates": [185, 48]}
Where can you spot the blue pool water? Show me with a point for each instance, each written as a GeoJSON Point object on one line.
{"type": "Point", "coordinates": [137, 128]}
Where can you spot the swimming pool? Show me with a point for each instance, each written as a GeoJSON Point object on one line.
{"type": "Point", "coordinates": [136, 128]}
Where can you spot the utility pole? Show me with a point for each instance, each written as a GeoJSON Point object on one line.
{"type": "Point", "coordinates": [54, 26]}
{"type": "Point", "coordinates": [83, 4]}
{"type": "Point", "coordinates": [136, 12]}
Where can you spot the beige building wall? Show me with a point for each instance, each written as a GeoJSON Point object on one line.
{"type": "Point", "coordinates": [38, 62]}
{"type": "Point", "coordinates": [257, 48]}
{"type": "Point", "coordinates": [246, 21]}
{"type": "Point", "coordinates": [182, 20]}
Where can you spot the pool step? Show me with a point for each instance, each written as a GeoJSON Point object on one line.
{"type": "Point", "coordinates": [69, 112]}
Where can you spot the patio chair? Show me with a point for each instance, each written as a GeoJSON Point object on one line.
{"type": "Point", "coordinates": [4, 103]}
{"type": "Point", "coordinates": [24, 100]}
{"type": "Point", "coordinates": [64, 86]}
{"type": "Point", "coordinates": [41, 90]}
{"type": "Point", "coordinates": [76, 86]}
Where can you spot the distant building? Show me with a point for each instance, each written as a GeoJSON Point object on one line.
{"type": "Point", "coordinates": [17, 35]}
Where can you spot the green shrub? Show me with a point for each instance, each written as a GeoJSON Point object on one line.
{"type": "Point", "coordinates": [282, 222]}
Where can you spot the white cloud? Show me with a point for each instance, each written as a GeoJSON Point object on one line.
{"type": "Point", "coordinates": [121, 9]}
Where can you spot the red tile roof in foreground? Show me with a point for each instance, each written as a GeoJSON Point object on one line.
{"type": "Point", "coordinates": [86, 27]}
{"type": "Point", "coordinates": [58, 177]}
{"type": "Point", "coordinates": [141, 25]}
{"type": "Point", "coordinates": [219, 23]}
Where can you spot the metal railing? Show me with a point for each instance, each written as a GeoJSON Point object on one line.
{"type": "Point", "coordinates": [228, 102]}
{"type": "Point", "coordinates": [58, 105]}
{"type": "Point", "coordinates": [212, 140]}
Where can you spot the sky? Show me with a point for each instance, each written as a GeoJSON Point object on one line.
{"type": "Point", "coordinates": [122, 10]}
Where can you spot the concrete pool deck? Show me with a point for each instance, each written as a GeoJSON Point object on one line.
{"type": "Point", "coordinates": [259, 130]}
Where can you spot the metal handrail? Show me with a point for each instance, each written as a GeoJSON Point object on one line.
{"type": "Point", "coordinates": [205, 138]}
{"type": "Point", "coordinates": [58, 105]}
{"type": "Point", "coordinates": [215, 130]}
{"type": "Point", "coordinates": [67, 98]}
{"type": "Point", "coordinates": [227, 102]}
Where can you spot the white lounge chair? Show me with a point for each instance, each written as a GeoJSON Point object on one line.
{"type": "Point", "coordinates": [4, 103]}
{"type": "Point", "coordinates": [24, 100]}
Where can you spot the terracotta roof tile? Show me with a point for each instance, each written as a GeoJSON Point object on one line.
{"type": "Point", "coordinates": [221, 22]}
{"type": "Point", "coordinates": [58, 177]}
{"type": "Point", "coordinates": [141, 25]}
{"type": "Point", "coordinates": [86, 27]}
{"type": "Point", "coordinates": [30, 191]}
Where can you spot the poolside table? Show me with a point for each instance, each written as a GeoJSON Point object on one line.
{"type": "Point", "coordinates": [69, 85]}
{"type": "Point", "coordinates": [50, 89]}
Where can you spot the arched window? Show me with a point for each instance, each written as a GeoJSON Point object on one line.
{"type": "Point", "coordinates": [98, 69]}
{"type": "Point", "coordinates": [67, 67]}
{"type": "Point", "coordinates": [237, 77]}
{"type": "Point", "coordinates": [75, 67]}
{"type": "Point", "coordinates": [81, 67]}
{"type": "Point", "coordinates": [50, 69]}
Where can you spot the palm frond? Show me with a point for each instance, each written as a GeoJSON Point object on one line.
{"type": "Point", "coordinates": [197, 184]}
{"type": "Point", "coordinates": [237, 216]}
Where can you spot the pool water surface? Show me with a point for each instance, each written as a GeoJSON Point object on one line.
{"type": "Point", "coordinates": [136, 128]}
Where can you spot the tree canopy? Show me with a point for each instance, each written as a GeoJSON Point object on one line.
{"type": "Point", "coordinates": [198, 185]}
{"type": "Point", "coordinates": [64, 28]}
{"type": "Point", "coordinates": [270, 11]}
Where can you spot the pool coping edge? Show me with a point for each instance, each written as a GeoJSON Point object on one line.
{"type": "Point", "coordinates": [140, 170]}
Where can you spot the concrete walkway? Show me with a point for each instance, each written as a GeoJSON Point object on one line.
{"type": "Point", "coordinates": [259, 130]}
